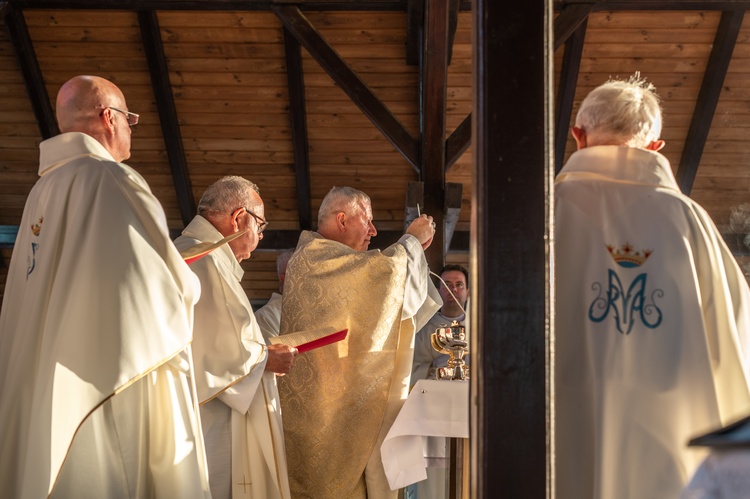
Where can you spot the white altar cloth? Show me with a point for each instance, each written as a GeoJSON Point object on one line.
{"type": "Point", "coordinates": [433, 409]}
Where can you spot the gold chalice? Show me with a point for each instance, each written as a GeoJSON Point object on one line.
{"type": "Point", "coordinates": [451, 340]}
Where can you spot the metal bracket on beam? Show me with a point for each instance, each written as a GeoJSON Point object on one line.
{"type": "Point", "coordinates": [414, 202]}
{"type": "Point", "coordinates": [453, 200]}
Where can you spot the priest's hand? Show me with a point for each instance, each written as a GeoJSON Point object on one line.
{"type": "Point", "coordinates": [423, 228]}
{"type": "Point", "coordinates": [280, 358]}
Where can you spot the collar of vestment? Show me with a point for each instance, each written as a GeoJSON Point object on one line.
{"type": "Point", "coordinates": [459, 318]}
{"type": "Point", "coordinates": [201, 229]}
{"type": "Point", "coordinates": [620, 164]}
{"type": "Point", "coordinates": [66, 147]}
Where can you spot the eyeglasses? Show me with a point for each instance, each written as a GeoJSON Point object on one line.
{"type": "Point", "coordinates": [262, 224]}
{"type": "Point", "coordinates": [131, 117]}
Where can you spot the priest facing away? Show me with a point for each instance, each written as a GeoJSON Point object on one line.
{"type": "Point", "coordinates": [340, 400]}
{"type": "Point", "coordinates": [96, 323]}
{"type": "Point", "coordinates": [234, 368]}
{"type": "Point", "coordinates": [651, 309]}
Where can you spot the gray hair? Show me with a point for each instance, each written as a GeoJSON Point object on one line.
{"type": "Point", "coordinates": [226, 195]}
{"type": "Point", "coordinates": [340, 199]}
{"type": "Point", "coordinates": [622, 112]}
{"type": "Point", "coordinates": [283, 259]}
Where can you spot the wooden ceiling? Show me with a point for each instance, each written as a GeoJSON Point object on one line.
{"type": "Point", "coordinates": [301, 96]}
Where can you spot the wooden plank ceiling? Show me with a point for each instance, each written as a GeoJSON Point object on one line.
{"type": "Point", "coordinates": [301, 96]}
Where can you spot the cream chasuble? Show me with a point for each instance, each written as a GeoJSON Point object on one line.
{"type": "Point", "coordinates": [340, 400]}
{"type": "Point", "coordinates": [651, 327]}
{"type": "Point", "coordinates": [94, 339]}
{"type": "Point", "coordinates": [239, 401]}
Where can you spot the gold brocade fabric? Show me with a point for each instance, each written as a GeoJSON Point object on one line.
{"type": "Point", "coordinates": [334, 399]}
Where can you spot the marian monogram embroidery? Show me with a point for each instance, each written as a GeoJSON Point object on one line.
{"type": "Point", "coordinates": [627, 303]}
{"type": "Point", "coordinates": [36, 229]}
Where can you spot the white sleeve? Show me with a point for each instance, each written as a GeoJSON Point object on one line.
{"type": "Point", "coordinates": [421, 299]}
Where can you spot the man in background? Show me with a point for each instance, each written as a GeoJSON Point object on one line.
{"type": "Point", "coordinates": [651, 309]}
{"type": "Point", "coordinates": [341, 399]}
{"type": "Point", "coordinates": [269, 315]}
{"type": "Point", "coordinates": [454, 283]}
{"type": "Point", "coordinates": [234, 369]}
{"type": "Point", "coordinates": [96, 323]}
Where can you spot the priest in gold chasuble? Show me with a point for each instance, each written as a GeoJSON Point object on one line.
{"type": "Point", "coordinates": [340, 400]}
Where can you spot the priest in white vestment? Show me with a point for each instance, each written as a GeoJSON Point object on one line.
{"type": "Point", "coordinates": [269, 315]}
{"type": "Point", "coordinates": [340, 400]}
{"type": "Point", "coordinates": [234, 368]}
{"type": "Point", "coordinates": [651, 310]}
{"type": "Point", "coordinates": [96, 399]}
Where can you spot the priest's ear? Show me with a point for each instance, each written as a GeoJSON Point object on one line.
{"type": "Point", "coordinates": [235, 219]}
{"type": "Point", "coordinates": [656, 145]}
{"type": "Point", "coordinates": [341, 221]}
{"type": "Point", "coordinates": [579, 134]}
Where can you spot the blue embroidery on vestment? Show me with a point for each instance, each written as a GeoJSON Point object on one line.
{"type": "Point", "coordinates": [32, 263]}
{"type": "Point", "coordinates": [36, 229]}
{"type": "Point", "coordinates": [626, 306]}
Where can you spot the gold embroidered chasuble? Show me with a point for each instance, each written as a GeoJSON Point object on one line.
{"type": "Point", "coordinates": [339, 401]}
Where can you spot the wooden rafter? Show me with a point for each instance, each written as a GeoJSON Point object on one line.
{"type": "Point", "coordinates": [298, 112]}
{"type": "Point", "coordinates": [458, 142]}
{"type": "Point", "coordinates": [708, 97]}
{"type": "Point", "coordinates": [566, 89]}
{"type": "Point", "coordinates": [32, 74]}
{"type": "Point", "coordinates": [159, 72]}
{"type": "Point", "coordinates": [350, 82]}
{"type": "Point", "coordinates": [569, 20]}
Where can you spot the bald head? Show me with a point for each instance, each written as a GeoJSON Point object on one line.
{"type": "Point", "coordinates": [83, 105]}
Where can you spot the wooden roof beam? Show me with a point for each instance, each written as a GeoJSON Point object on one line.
{"type": "Point", "coordinates": [566, 90]}
{"type": "Point", "coordinates": [18, 32]}
{"type": "Point", "coordinates": [215, 5]}
{"type": "Point", "coordinates": [646, 5]}
{"type": "Point", "coordinates": [350, 82]}
{"type": "Point", "coordinates": [569, 20]}
{"type": "Point", "coordinates": [414, 31]}
{"type": "Point", "coordinates": [708, 96]}
{"type": "Point", "coordinates": [433, 89]}
{"type": "Point", "coordinates": [457, 143]}
{"type": "Point", "coordinates": [298, 114]}
{"type": "Point", "coordinates": [170, 127]}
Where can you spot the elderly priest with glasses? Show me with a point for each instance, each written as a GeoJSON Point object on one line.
{"type": "Point", "coordinates": [234, 369]}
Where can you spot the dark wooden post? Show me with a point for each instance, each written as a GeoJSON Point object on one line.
{"type": "Point", "coordinates": [510, 431]}
{"type": "Point", "coordinates": [433, 82]}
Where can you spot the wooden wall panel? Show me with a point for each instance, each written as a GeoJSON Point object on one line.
{"type": "Point", "coordinates": [19, 139]}
{"type": "Point", "coordinates": [229, 81]}
{"type": "Point", "coordinates": [719, 193]}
